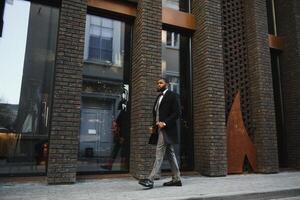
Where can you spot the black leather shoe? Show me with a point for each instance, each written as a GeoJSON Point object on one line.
{"type": "Point", "coordinates": [146, 183]}
{"type": "Point", "coordinates": [173, 183]}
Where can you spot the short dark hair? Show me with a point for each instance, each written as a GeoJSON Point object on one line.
{"type": "Point", "coordinates": [164, 79]}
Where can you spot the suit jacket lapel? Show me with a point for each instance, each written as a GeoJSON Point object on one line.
{"type": "Point", "coordinates": [164, 99]}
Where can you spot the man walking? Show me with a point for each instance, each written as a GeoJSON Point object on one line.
{"type": "Point", "coordinates": [164, 133]}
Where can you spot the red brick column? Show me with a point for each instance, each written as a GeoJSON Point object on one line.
{"type": "Point", "coordinates": [146, 68]}
{"type": "Point", "coordinates": [208, 90]}
{"type": "Point", "coordinates": [64, 132]}
{"type": "Point", "coordinates": [261, 86]}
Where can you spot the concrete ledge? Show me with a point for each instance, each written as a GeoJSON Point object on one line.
{"type": "Point", "coordinates": [255, 195]}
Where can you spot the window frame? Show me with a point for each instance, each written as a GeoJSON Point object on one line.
{"type": "Point", "coordinates": [173, 45]}
{"type": "Point", "coordinates": [87, 47]}
{"type": "Point", "coordinates": [119, 42]}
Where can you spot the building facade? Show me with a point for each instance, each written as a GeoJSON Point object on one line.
{"type": "Point", "coordinates": [77, 84]}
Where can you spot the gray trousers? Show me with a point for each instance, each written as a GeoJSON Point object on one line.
{"type": "Point", "coordinates": [161, 150]}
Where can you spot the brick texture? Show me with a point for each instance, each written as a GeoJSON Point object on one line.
{"type": "Point", "coordinates": [235, 58]}
{"type": "Point", "coordinates": [261, 86]}
{"type": "Point", "coordinates": [146, 68]}
{"type": "Point", "coordinates": [208, 89]}
{"type": "Point", "coordinates": [288, 27]}
{"type": "Point", "coordinates": [64, 133]}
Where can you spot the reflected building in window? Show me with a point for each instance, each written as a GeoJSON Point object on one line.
{"type": "Point", "coordinates": [176, 68]}
{"type": "Point", "coordinates": [104, 133]}
{"type": "Point", "coordinates": [170, 61]}
{"type": "Point", "coordinates": [174, 4]}
{"type": "Point", "coordinates": [179, 5]}
{"type": "Point", "coordinates": [26, 95]}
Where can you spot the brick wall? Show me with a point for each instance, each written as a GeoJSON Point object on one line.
{"type": "Point", "coordinates": [208, 90]}
{"type": "Point", "coordinates": [261, 87]}
{"type": "Point", "coordinates": [288, 27]}
{"type": "Point", "coordinates": [64, 133]}
{"type": "Point", "coordinates": [235, 58]}
{"type": "Point", "coordinates": [146, 68]}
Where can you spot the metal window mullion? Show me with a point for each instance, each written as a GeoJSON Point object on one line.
{"type": "Point", "coordinates": [87, 38]}
{"type": "Point", "coordinates": [100, 35]}
{"type": "Point", "coordinates": [274, 18]}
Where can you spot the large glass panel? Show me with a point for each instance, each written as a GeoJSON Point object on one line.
{"type": "Point", "coordinates": [181, 5]}
{"type": "Point", "coordinates": [2, 4]}
{"type": "Point", "coordinates": [176, 68]}
{"type": "Point", "coordinates": [104, 133]}
{"type": "Point", "coordinates": [27, 54]}
{"type": "Point", "coordinates": [271, 17]}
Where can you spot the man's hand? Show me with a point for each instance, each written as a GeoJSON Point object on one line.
{"type": "Point", "coordinates": [151, 130]}
{"type": "Point", "coordinates": [161, 124]}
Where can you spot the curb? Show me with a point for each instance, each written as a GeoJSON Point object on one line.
{"type": "Point", "coordinates": [256, 195]}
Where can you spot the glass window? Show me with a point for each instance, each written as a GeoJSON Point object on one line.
{"type": "Point", "coordinates": [180, 5]}
{"type": "Point", "coordinates": [174, 4]}
{"type": "Point", "coordinates": [27, 54]}
{"type": "Point", "coordinates": [2, 4]}
{"type": "Point", "coordinates": [173, 82]}
{"type": "Point", "coordinates": [104, 132]}
{"type": "Point", "coordinates": [271, 14]}
{"type": "Point", "coordinates": [107, 23]}
{"type": "Point", "coordinates": [104, 41]}
{"type": "Point", "coordinates": [169, 38]}
{"type": "Point", "coordinates": [172, 39]}
{"type": "Point", "coordinates": [176, 68]}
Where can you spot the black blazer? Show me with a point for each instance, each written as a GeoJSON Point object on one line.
{"type": "Point", "coordinates": [169, 112]}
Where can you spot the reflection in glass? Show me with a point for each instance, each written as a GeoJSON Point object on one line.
{"type": "Point", "coordinates": [180, 5]}
{"type": "Point", "coordinates": [172, 40]}
{"type": "Point", "coordinates": [176, 68]}
{"type": "Point", "coordinates": [104, 43]}
{"type": "Point", "coordinates": [104, 133]}
{"type": "Point", "coordinates": [174, 4]}
{"type": "Point", "coordinates": [170, 70]}
{"type": "Point", "coordinates": [27, 54]}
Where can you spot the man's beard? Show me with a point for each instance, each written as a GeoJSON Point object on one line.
{"type": "Point", "coordinates": [161, 89]}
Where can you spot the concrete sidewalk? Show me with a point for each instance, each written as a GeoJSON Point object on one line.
{"type": "Point", "coordinates": [284, 185]}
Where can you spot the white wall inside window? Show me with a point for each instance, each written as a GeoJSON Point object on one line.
{"type": "Point", "coordinates": [12, 50]}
